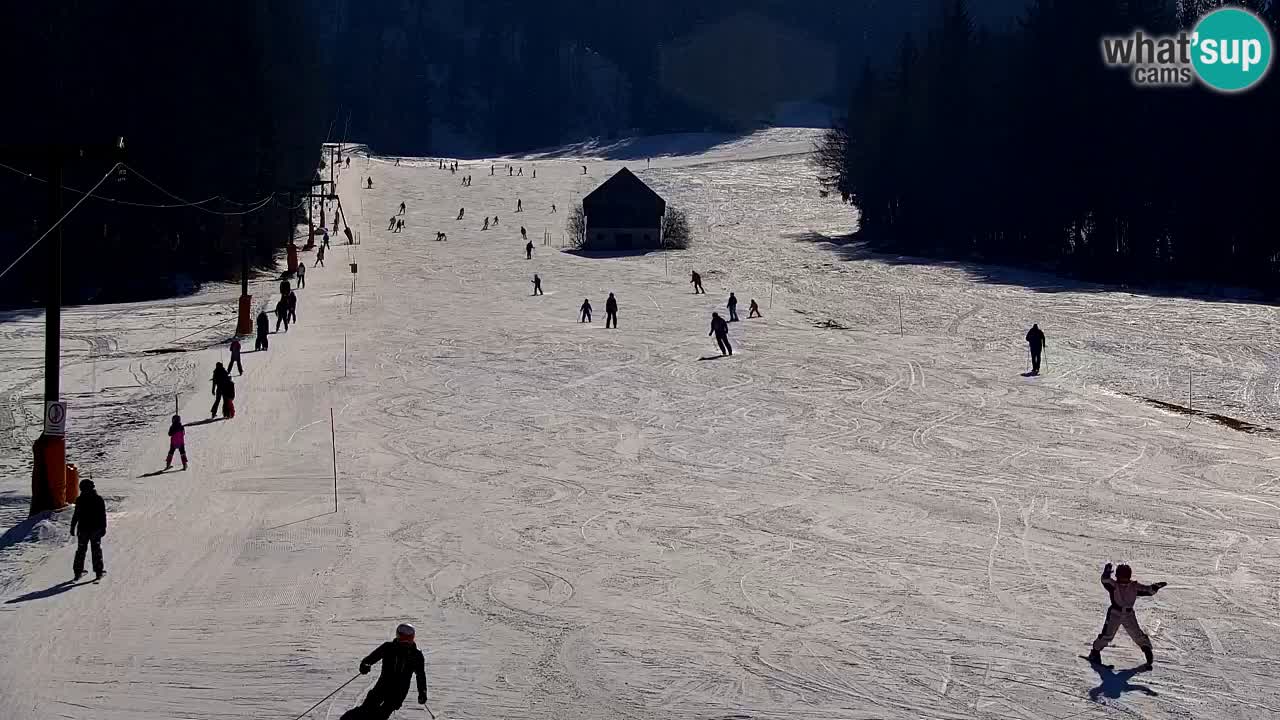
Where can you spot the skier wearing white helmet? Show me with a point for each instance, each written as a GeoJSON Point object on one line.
{"type": "Point", "coordinates": [400, 659]}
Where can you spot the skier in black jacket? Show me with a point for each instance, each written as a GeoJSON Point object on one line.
{"type": "Point", "coordinates": [401, 659]}
{"type": "Point", "coordinates": [264, 326]}
{"type": "Point", "coordinates": [88, 525]}
{"type": "Point", "coordinates": [220, 379]}
{"type": "Point", "coordinates": [720, 329]}
{"type": "Point", "coordinates": [1035, 339]}
{"type": "Point", "coordinates": [611, 312]}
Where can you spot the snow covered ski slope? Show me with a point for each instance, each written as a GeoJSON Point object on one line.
{"type": "Point", "coordinates": [843, 520]}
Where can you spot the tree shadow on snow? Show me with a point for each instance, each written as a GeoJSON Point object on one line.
{"type": "Point", "coordinates": [1041, 279]}
{"type": "Point", "coordinates": [58, 589]}
{"type": "Point", "coordinates": [1114, 684]}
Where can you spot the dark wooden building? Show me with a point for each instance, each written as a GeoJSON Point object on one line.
{"type": "Point", "coordinates": [623, 214]}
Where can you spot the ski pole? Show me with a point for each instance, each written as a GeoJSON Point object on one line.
{"type": "Point", "coordinates": [428, 707]}
{"type": "Point", "coordinates": [326, 697]}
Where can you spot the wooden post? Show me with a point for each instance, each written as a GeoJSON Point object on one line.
{"type": "Point", "coordinates": [901, 332]}
{"type": "Point", "coordinates": [333, 438]}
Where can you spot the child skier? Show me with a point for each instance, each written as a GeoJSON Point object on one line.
{"type": "Point", "coordinates": [235, 356]}
{"type": "Point", "coordinates": [177, 442]}
{"type": "Point", "coordinates": [1123, 591]}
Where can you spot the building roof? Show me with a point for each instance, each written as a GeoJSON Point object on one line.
{"type": "Point", "coordinates": [624, 189]}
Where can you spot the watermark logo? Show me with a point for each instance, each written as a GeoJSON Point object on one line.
{"type": "Point", "coordinates": [1228, 51]}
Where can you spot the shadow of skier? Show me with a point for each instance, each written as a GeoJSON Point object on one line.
{"type": "Point", "coordinates": [1114, 684]}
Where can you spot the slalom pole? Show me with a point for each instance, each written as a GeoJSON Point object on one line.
{"type": "Point", "coordinates": [326, 697]}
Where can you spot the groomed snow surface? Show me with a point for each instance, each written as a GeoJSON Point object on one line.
{"type": "Point", "coordinates": [843, 520]}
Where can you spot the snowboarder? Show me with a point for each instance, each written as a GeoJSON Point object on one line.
{"type": "Point", "coordinates": [219, 379]}
{"type": "Point", "coordinates": [611, 312]}
{"type": "Point", "coordinates": [401, 660]}
{"type": "Point", "coordinates": [293, 309]}
{"type": "Point", "coordinates": [754, 311]}
{"type": "Point", "coordinates": [282, 313]}
{"type": "Point", "coordinates": [733, 307]}
{"type": "Point", "coordinates": [461, 212]}
{"type": "Point", "coordinates": [264, 326]}
{"type": "Point", "coordinates": [486, 223]}
{"type": "Point", "coordinates": [320, 252]}
{"type": "Point", "coordinates": [523, 234]}
{"type": "Point", "coordinates": [528, 251]}
{"type": "Point", "coordinates": [1035, 339]}
{"type": "Point", "coordinates": [370, 187]}
{"type": "Point", "coordinates": [177, 442]}
{"type": "Point", "coordinates": [696, 280]}
{"type": "Point", "coordinates": [586, 311]}
{"type": "Point", "coordinates": [720, 329]}
{"type": "Point", "coordinates": [88, 526]}
{"type": "Point", "coordinates": [302, 275]}
{"type": "Point", "coordinates": [537, 284]}
{"type": "Point", "coordinates": [235, 357]}
{"type": "Point", "coordinates": [1123, 591]}
{"type": "Point", "coordinates": [519, 205]}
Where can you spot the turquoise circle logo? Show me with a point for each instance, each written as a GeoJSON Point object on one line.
{"type": "Point", "coordinates": [1232, 49]}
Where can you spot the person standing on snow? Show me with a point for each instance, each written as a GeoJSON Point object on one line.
{"type": "Point", "coordinates": [293, 308]}
{"type": "Point", "coordinates": [302, 275]}
{"type": "Point", "coordinates": [282, 314]}
{"type": "Point", "coordinates": [537, 284]}
{"type": "Point", "coordinates": [235, 357]}
{"type": "Point", "coordinates": [370, 183]}
{"type": "Point", "coordinates": [528, 250]}
{"type": "Point", "coordinates": [88, 526]}
{"type": "Point", "coordinates": [696, 281]}
{"type": "Point", "coordinates": [720, 329]}
{"type": "Point", "coordinates": [1035, 339]}
{"type": "Point", "coordinates": [401, 661]}
{"type": "Point", "coordinates": [219, 379]}
{"type": "Point", "coordinates": [486, 223]}
{"type": "Point", "coordinates": [754, 310]}
{"type": "Point", "coordinates": [519, 205]}
{"type": "Point", "coordinates": [177, 442]}
{"type": "Point", "coordinates": [461, 212]}
{"type": "Point", "coordinates": [402, 208]}
{"type": "Point", "coordinates": [264, 327]}
{"type": "Point", "coordinates": [586, 311]}
{"type": "Point", "coordinates": [229, 398]}
{"type": "Point", "coordinates": [611, 312]}
{"type": "Point", "coordinates": [391, 223]}
{"type": "Point", "coordinates": [524, 234]}
{"type": "Point", "coordinates": [733, 307]}
{"type": "Point", "coordinates": [320, 251]}
{"type": "Point", "coordinates": [1123, 591]}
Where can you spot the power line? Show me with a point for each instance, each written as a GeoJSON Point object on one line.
{"type": "Point", "coordinates": [59, 221]}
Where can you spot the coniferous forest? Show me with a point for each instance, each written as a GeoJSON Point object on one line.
{"type": "Point", "coordinates": [986, 130]}
{"type": "Point", "coordinates": [1021, 147]}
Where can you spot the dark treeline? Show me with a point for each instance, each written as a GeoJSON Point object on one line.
{"type": "Point", "coordinates": [1022, 147]}
{"type": "Point", "coordinates": [211, 98]}
{"type": "Point", "coordinates": [454, 77]}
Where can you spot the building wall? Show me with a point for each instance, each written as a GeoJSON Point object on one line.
{"type": "Point", "coordinates": [624, 238]}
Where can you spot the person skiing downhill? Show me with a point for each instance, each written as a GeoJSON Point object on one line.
{"type": "Point", "coordinates": [754, 311]}
{"type": "Point", "coordinates": [219, 380]}
{"type": "Point", "coordinates": [586, 311]}
{"type": "Point", "coordinates": [720, 329]}
{"type": "Point", "coordinates": [486, 223]}
{"type": "Point", "coordinates": [391, 223]}
{"type": "Point", "coordinates": [733, 307]}
{"type": "Point", "coordinates": [88, 526]}
{"type": "Point", "coordinates": [1123, 591]}
{"type": "Point", "coordinates": [696, 281]}
{"type": "Point", "coordinates": [611, 312]}
{"type": "Point", "coordinates": [235, 356]}
{"type": "Point", "coordinates": [1035, 339]}
{"type": "Point", "coordinates": [524, 234]}
{"type": "Point", "coordinates": [461, 212]}
{"type": "Point", "coordinates": [528, 250]}
{"type": "Point", "coordinates": [401, 661]}
{"type": "Point", "coordinates": [401, 208]}
{"type": "Point", "coordinates": [537, 284]}
{"type": "Point", "coordinates": [177, 442]}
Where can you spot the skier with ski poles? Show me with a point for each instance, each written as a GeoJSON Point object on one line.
{"type": "Point", "coordinates": [401, 661]}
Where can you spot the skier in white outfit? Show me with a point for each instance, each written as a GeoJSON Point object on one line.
{"type": "Point", "coordinates": [1124, 592]}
